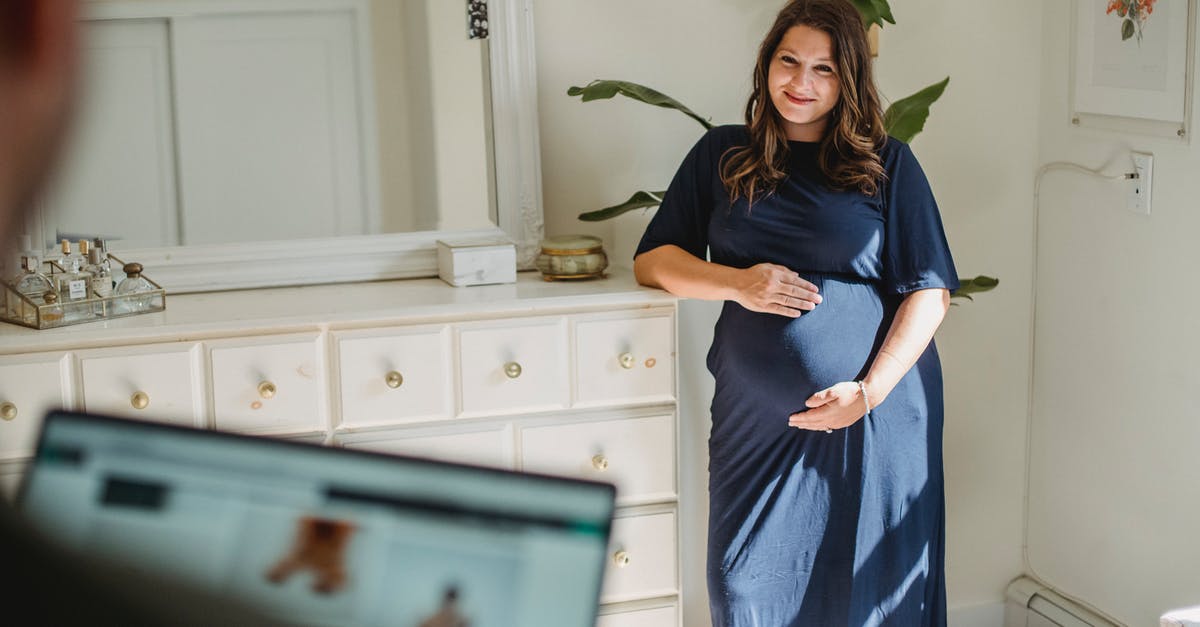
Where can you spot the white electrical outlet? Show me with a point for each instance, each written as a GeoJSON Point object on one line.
{"type": "Point", "coordinates": [1139, 188]}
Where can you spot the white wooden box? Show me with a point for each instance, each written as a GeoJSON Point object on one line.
{"type": "Point", "coordinates": [477, 261]}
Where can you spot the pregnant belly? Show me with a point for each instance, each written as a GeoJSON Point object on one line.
{"type": "Point", "coordinates": [771, 363]}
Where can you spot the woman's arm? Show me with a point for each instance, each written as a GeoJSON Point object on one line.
{"type": "Point", "coordinates": [917, 319]}
{"type": "Point", "coordinates": [766, 287]}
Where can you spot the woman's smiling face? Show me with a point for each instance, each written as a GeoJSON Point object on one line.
{"type": "Point", "coordinates": [803, 82]}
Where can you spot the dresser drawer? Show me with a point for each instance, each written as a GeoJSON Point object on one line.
{"type": "Point", "coordinates": [10, 481]}
{"type": "Point", "coordinates": [487, 447]}
{"type": "Point", "coordinates": [635, 454]}
{"type": "Point", "coordinates": [268, 385]}
{"type": "Point", "coordinates": [401, 375]}
{"type": "Point", "coordinates": [29, 386]}
{"type": "Point", "coordinates": [657, 617]}
{"type": "Point", "coordinates": [514, 365]}
{"type": "Point", "coordinates": [624, 359]}
{"type": "Point", "coordinates": [641, 558]}
{"type": "Point", "coordinates": [159, 382]}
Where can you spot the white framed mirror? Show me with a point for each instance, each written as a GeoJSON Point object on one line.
{"type": "Point", "coordinates": [228, 144]}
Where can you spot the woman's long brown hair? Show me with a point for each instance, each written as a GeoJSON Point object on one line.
{"type": "Point", "coordinates": [849, 151]}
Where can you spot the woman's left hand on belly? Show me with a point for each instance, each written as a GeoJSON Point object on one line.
{"type": "Point", "coordinates": [835, 407]}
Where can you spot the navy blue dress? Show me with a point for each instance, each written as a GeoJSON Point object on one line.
{"type": "Point", "coordinates": [809, 528]}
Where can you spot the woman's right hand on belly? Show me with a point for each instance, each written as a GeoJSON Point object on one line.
{"type": "Point", "coordinates": [771, 288]}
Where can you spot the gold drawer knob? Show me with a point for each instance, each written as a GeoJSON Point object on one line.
{"type": "Point", "coordinates": [512, 370]}
{"type": "Point", "coordinates": [140, 400]}
{"type": "Point", "coordinates": [621, 559]}
{"type": "Point", "coordinates": [650, 361]}
{"type": "Point", "coordinates": [627, 361]}
{"type": "Point", "coordinates": [600, 462]}
{"type": "Point", "coordinates": [8, 411]}
{"type": "Point", "coordinates": [394, 379]}
{"type": "Point", "coordinates": [266, 389]}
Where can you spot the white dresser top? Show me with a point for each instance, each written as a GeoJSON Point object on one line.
{"type": "Point", "coordinates": [281, 310]}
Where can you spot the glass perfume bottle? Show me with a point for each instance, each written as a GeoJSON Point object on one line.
{"type": "Point", "coordinates": [101, 247]}
{"type": "Point", "coordinates": [64, 257]}
{"type": "Point", "coordinates": [100, 284]}
{"type": "Point", "coordinates": [132, 293]}
{"type": "Point", "coordinates": [73, 282]}
{"type": "Point", "coordinates": [102, 280]}
{"type": "Point", "coordinates": [52, 312]}
{"type": "Point", "coordinates": [31, 284]}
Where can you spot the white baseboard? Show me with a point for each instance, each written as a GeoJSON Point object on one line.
{"type": "Point", "coordinates": [983, 615]}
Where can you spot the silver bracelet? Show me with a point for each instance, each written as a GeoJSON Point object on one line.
{"type": "Point", "coordinates": [862, 387]}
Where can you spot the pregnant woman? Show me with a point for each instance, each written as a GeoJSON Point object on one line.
{"type": "Point", "coordinates": [821, 234]}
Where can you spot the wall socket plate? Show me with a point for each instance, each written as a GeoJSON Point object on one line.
{"type": "Point", "coordinates": [1140, 187]}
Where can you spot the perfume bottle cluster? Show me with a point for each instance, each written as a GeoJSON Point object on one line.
{"type": "Point", "coordinates": [76, 285]}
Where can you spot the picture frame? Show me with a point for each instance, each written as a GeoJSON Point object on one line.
{"type": "Point", "coordinates": [1132, 65]}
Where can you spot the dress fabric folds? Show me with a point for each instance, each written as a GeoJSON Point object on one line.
{"type": "Point", "coordinates": [806, 527]}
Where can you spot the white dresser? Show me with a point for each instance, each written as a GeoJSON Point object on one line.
{"type": "Point", "coordinates": [564, 378]}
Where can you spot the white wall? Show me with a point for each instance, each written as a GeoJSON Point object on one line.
{"type": "Point", "coordinates": [461, 150]}
{"type": "Point", "coordinates": [394, 113]}
{"type": "Point", "coordinates": [431, 107]}
{"type": "Point", "coordinates": [979, 151]}
{"type": "Point", "coordinates": [598, 153]}
{"type": "Point", "coordinates": [1114, 502]}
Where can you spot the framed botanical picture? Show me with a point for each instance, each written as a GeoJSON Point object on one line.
{"type": "Point", "coordinates": [1132, 59]}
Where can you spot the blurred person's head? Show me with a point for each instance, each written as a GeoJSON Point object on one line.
{"type": "Point", "coordinates": [39, 66]}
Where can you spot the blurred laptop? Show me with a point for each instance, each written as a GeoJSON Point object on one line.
{"type": "Point", "coordinates": [316, 535]}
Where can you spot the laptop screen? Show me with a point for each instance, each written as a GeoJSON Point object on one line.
{"type": "Point", "coordinates": [319, 535]}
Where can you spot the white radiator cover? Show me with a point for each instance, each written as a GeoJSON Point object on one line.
{"type": "Point", "coordinates": [1029, 603]}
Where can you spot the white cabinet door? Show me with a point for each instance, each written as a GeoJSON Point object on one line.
{"type": "Point", "coordinates": [270, 115]}
{"type": "Point", "coordinates": [156, 382]}
{"type": "Point", "coordinates": [635, 454]}
{"type": "Point", "coordinates": [625, 359]}
{"type": "Point", "coordinates": [29, 386]}
{"type": "Point", "coordinates": [641, 558]}
{"type": "Point", "coordinates": [272, 384]}
{"type": "Point", "coordinates": [514, 365]}
{"type": "Point", "coordinates": [398, 375]}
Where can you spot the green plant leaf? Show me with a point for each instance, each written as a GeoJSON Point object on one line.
{"type": "Point", "coordinates": [604, 89]}
{"type": "Point", "coordinates": [637, 201]}
{"type": "Point", "coordinates": [976, 285]}
{"type": "Point", "coordinates": [1126, 29]}
{"type": "Point", "coordinates": [874, 11]}
{"type": "Point", "coordinates": [906, 117]}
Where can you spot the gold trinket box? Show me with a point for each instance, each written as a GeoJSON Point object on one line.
{"type": "Point", "coordinates": [567, 257]}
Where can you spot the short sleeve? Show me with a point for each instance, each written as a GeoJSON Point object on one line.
{"type": "Point", "coordinates": [915, 253]}
{"type": "Point", "coordinates": [682, 217]}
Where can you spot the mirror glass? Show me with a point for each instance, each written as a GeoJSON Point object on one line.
{"type": "Point", "coordinates": [260, 122]}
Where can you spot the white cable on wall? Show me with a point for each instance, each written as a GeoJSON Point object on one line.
{"type": "Point", "coordinates": [1037, 183]}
